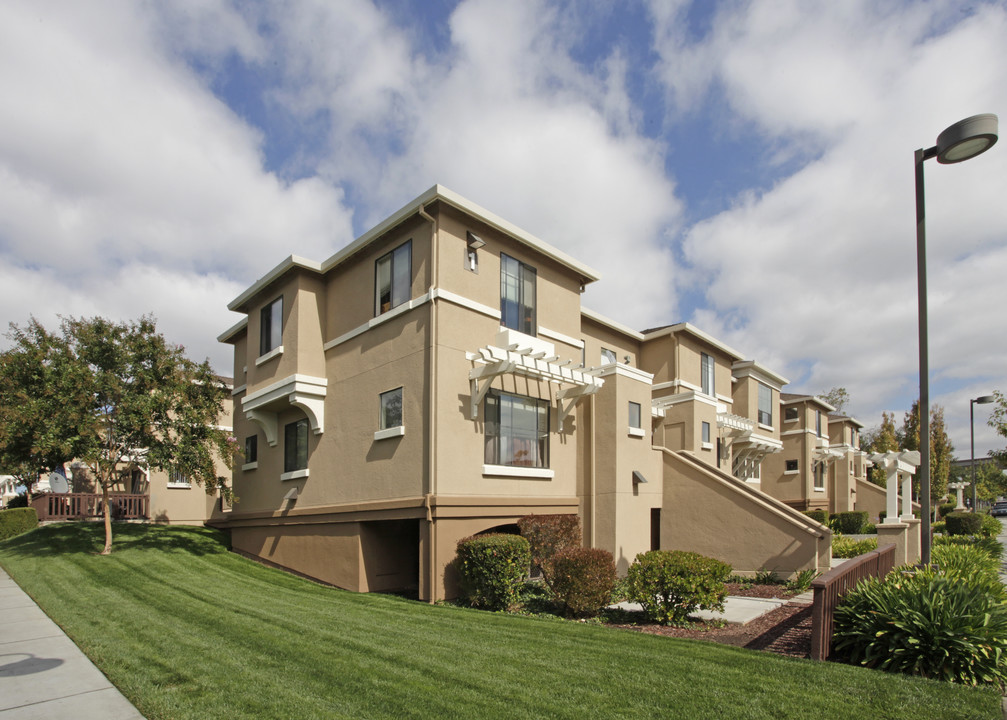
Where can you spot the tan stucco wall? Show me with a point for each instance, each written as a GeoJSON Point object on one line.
{"type": "Point", "coordinates": [737, 523]}
{"type": "Point", "coordinates": [620, 519]}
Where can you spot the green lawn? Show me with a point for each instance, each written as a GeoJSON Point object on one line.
{"type": "Point", "coordinates": [188, 630]}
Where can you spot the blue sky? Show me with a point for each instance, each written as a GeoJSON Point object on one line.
{"type": "Point", "coordinates": [744, 165]}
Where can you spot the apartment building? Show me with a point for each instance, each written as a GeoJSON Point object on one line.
{"type": "Point", "coordinates": [798, 474]}
{"type": "Point", "coordinates": [438, 378]}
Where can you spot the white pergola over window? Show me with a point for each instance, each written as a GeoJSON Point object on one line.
{"type": "Point", "coordinates": [493, 362]}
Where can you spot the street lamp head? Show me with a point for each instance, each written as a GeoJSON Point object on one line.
{"type": "Point", "coordinates": [967, 138]}
{"type": "Point", "coordinates": [984, 400]}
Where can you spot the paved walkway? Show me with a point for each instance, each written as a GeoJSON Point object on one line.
{"type": "Point", "coordinates": [43, 675]}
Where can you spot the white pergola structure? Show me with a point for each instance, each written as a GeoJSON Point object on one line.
{"type": "Point", "coordinates": [748, 449]}
{"type": "Point", "coordinates": [959, 487]}
{"type": "Point", "coordinates": [493, 362]}
{"type": "Point", "coordinates": [898, 466]}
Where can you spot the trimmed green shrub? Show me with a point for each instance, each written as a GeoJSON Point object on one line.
{"type": "Point", "coordinates": [849, 523]}
{"type": "Point", "coordinates": [939, 527]}
{"type": "Point", "coordinates": [962, 523]}
{"type": "Point", "coordinates": [14, 521]}
{"type": "Point", "coordinates": [929, 624]}
{"type": "Point", "coordinates": [492, 569]}
{"type": "Point", "coordinates": [869, 529]}
{"type": "Point", "coordinates": [844, 547]}
{"type": "Point", "coordinates": [670, 584]}
{"type": "Point", "coordinates": [991, 546]}
{"type": "Point", "coordinates": [990, 526]}
{"type": "Point", "coordinates": [944, 508]}
{"type": "Point", "coordinates": [818, 514]}
{"type": "Point", "coordinates": [547, 536]}
{"type": "Point", "coordinates": [583, 580]}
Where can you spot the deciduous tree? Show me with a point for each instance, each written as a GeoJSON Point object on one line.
{"type": "Point", "coordinates": [837, 397]}
{"type": "Point", "coordinates": [135, 400]}
{"type": "Point", "coordinates": [882, 439]}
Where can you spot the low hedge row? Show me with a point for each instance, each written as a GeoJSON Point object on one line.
{"type": "Point", "coordinates": [583, 580]}
{"type": "Point", "coordinates": [963, 523]}
{"type": "Point", "coordinates": [14, 521]}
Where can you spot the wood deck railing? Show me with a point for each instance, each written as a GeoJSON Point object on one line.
{"type": "Point", "coordinates": [833, 585]}
{"type": "Point", "coordinates": [83, 506]}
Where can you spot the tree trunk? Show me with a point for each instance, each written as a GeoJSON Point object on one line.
{"type": "Point", "coordinates": [108, 519]}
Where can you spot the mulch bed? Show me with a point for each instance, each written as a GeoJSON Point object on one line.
{"type": "Point", "coordinates": [784, 631]}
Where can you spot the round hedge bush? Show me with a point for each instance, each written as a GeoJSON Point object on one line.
{"type": "Point", "coordinates": [583, 580]}
{"type": "Point", "coordinates": [962, 523]}
{"type": "Point", "coordinates": [670, 584]}
{"type": "Point", "coordinates": [492, 568]}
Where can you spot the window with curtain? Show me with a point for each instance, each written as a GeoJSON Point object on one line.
{"type": "Point", "coordinates": [516, 431]}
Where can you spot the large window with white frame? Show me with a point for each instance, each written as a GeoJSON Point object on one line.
{"type": "Point", "coordinates": [516, 431]}
{"type": "Point", "coordinates": [517, 295]}
{"type": "Point", "coordinates": [765, 405]}
{"type": "Point", "coordinates": [295, 446]}
{"type": "Point", "coordinates": [271, 326]}
{"type": "Point", "coordinates": [707, 367]}
{"type": "Point", "coordinates": [393, 273]}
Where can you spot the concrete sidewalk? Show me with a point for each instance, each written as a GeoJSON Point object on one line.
{"type": "Point", "coordinates": [43, 675]}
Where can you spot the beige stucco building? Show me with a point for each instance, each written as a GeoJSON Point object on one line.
{"type": "Point", "coordinates": [438, 377]}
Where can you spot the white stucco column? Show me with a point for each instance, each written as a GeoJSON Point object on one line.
{"type": "Point", "coordinates": [892, 489]}
{"type": "Point", "coordinates": [907, 495]}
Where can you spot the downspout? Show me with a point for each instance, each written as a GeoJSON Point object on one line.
{"type": "Point", "coordinates": [592, 460]}
{"type": "Point", "coordinates": [431, 489]}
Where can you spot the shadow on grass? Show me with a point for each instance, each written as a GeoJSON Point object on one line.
{"type": "Point", "coordinates": [89, 538]}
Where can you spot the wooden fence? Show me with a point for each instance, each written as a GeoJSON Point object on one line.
{"type": "Point", "coordinates": [833, 585]}
{"type": "Point", "coordinates": [83, 506]}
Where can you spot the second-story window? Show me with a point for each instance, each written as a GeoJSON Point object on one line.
{"type": "Point", "coordinates": [295, 445]}
{"type": "Point", "coordinates": [634, 415]}
{"type": "Point", "coordinates": [252, 449]}
{"type": "Point", "coordinates": [393, 273]}
{"type": "Point", "coordinates": [707, 367]}
{"type": "Point", "coordinates": [517, 295]}
{"type": "Point", "coordinates": [818, 422]}
{"type": "Point", "coordinates": [271, 326]}
{"type": "Point", "coordinates": [765, 405]}
{"type": "Point", "coordinates": [607, 356]}
{"type": "Point", "coordinates": [790, 414]}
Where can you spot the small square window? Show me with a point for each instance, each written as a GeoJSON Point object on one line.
{"type": "Point", "coordinates": [607, 356]}
{"type": "Point", "coordinates": [252, 449]}
{"type": "Point", "coordinates": [177, 477]}
{"type": "Point", "coordinates": [295, 446]}
{"type": "Point", "coordinates": [634, 415]}
{"type": "Point", "coordinates": [790, 414]}
{"type": "Point", "coordinates": [391, 409]}
{"type": "Point", "coordinates": [791, 465]}
{"type": "Point", "coordinates": [706, 433]}
{"type": "Point", "coordinates": [271, 326]}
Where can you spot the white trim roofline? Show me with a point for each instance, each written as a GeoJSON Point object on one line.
{"type": "Point", "coordinates": [692, 329]}
{"type": "Point", "coordinates": [437, 192]}
{"type": "Point", "coordinates": [608, 322]}
{"type": "Point", "coordinates": [759, 372]}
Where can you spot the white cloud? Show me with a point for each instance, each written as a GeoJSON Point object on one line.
{"type": "Point", "coordinates": [818, 273]}
{"type": "Point", "coordinates": [115, 155]}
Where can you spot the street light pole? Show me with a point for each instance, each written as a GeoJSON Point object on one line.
{"type": "Point", "coordinates": [961, 141]}
{"type": "Point", "coordinates": [983, 400]}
